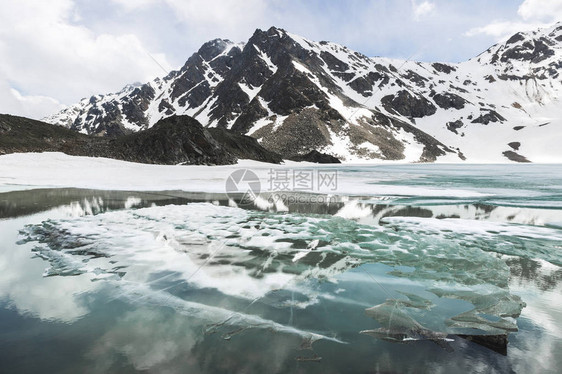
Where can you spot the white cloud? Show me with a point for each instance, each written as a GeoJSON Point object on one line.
{"type": "Point", "coordinates": [229, 13]}
{"type": "Point", "coordinates": [233, 18]}
{"type": "Point", "coordinates": [13, 102]}
{"type": "Point", "coordinates": [34, 106]}
{"type": "Point", "coordinates": [541, 10]}
{"type": "Point", "coordinates": [422, 9]}
{"type": "Point", "coordinates": [532, 14]}
{"type": "Point", "coordinates": [135, 4]}
{"type": "Point", "coordinates": [501, 29]}
{"type": "Point", "coordinates": [44, 52]}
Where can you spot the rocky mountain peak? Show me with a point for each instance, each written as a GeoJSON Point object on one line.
{"type": "Point", "coordinates": [272, 32]}
{"type": "Point", "coordinates": [213, 48]}
{"type": "Point", "coordinates": [536, 48]}
{"type": "Point", "coordinates": [276, 43]}
{"type": "Point", "coordinates": [296, 96]}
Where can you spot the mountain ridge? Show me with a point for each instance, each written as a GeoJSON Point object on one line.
{"type": "Point", "coordinates": [295, 96]}
{"type": "Point", "coordinates": [173, 140]}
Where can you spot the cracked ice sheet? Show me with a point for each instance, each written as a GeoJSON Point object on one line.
{"type": "Point", "coordinates": [538, 243]}
{"type": "Point", "coordinates": [249, 255]}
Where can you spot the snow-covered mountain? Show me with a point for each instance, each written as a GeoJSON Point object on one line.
{"type": "Point", "coordinates": [296, 95]}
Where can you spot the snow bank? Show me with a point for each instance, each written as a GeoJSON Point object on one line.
{"type": "Point", "coordinates": [53, 170]}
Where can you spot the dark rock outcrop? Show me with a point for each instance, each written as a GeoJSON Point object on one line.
{"type": "Point", "coordinates": [317, 157]}
{"type": "Point", "coordinates": [443, 68]}
{"type": "Point", "coordinates": [19, 134]}
{"type": "Point", "coordinates": [243, 147]}
{"type": "Point", "coordinates": [487, 116]}
{"type": "Point", "coordinates": [364, 84]}
{"type": "Point", "coordinates": [515, 38]}
{"type": "Point", "coordinates": [454, 126]}
{"type": "Point", "coordinates": [174, 140]}
{"type": "Point", "coordinates": [408, 105]}
{"type": "Point", "coordinates": [449, 100]}
{"type": "Point", "coordinates": [514, 156]}
{"type": "Point", "coordinates": [534, 51]}
{"type": "Point", "coordinates": [301, 133]}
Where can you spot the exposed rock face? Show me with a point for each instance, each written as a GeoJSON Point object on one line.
{"type": "Point", "coordinates": [19, 134]}
{"type": "Point", "coordinates": [534, 51]}
{"type": "Point", "coordinates": [320, 158]}
{"type": "Point", "coordinates": [174, 140]}
{"type": "Point", "coordinates": [294, 96]}
{"type": "Point", "coordinates": [449, 100]}
{"type": "Point", "coordinates": [514, 156]}
{"type": "Point", "coordinates": [488, 116]}
{"type": "Point", "coordinates": [454, 126]}
{"type": "Point", "coordinates": [443, 68]}
{"type": "Point", "coordinates": [4, 128]}
{"type": "Point", "coordinates": [243, 147]}
{"type": "Point", "coordinates": [301, 133]}
{"type": "Point", "coordinates": [408, 105]}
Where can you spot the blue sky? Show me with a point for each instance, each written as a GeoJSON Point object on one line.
{"type": "Point", "coordinates": [375, 28]}
{"type": "Point", "coordinates": [56, 52]}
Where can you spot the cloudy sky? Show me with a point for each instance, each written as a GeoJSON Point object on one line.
{"type": "Point", "coordinates": [53, 53]}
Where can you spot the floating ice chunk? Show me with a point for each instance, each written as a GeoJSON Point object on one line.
{"type": "Point", "coordinates": [280, 206]}
{"type": "Point", "coordinates": [299, 255]}
{"type": "Point", "coordinates": [354, 210]}
{"type": "Point", "coordinates": [132, 202]}
{"type": "Point", "coordinates": [262, 203]}
{"type": "Point", "coordinates": [313, 244]}
{"type": "Point", "coordinates": [397, 325]}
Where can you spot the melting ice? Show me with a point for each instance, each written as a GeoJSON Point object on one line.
{"type": "Point", "coordinates": [253, 255]}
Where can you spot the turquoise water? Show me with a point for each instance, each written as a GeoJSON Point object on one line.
{"type": "Point", "coordinates": [429, 276]}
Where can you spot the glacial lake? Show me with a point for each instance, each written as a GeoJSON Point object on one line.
{"type": "Point", "coordinates": [456, 269]}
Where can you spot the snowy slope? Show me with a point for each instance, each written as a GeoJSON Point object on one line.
{"type": "Point", "coordinates": [296, 95]}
